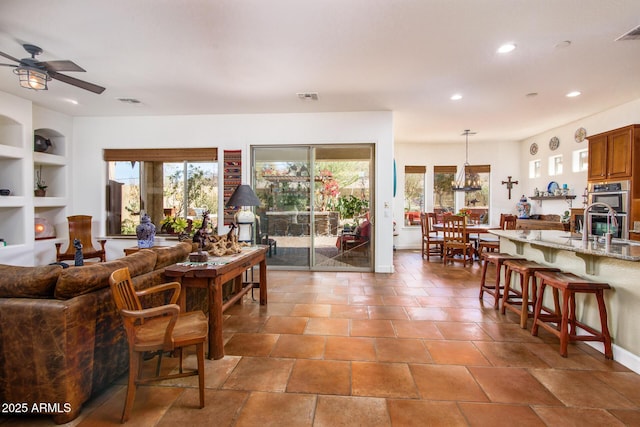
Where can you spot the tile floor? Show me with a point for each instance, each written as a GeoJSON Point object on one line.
{"type": "Point", "coordinates": [416, 347]}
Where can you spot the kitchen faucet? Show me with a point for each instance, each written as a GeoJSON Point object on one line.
{"type": "Point", "coordinates": [611, 218]}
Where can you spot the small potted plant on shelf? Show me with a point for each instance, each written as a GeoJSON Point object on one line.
{"type": "Point", "coordinates": [41, 186]}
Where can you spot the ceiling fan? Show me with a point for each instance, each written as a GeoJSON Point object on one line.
{"type": "Point", "coordinates": [34, 74]}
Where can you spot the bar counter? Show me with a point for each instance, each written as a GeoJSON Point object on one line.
{"type": "Point", "coordinates": [617, 265]}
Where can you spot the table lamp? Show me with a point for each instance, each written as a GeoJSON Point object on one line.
{"type": "Point", "coordinates": [242, 197]}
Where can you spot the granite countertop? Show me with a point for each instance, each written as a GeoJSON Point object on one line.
{"type": "Point", "coordinates": [555, 239]}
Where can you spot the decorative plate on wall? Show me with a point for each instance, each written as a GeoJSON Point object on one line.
{"type": "Point", "coordinates": [533, 149]}
{"type": "Point", "coordinates": [554, 143]}
{"type": "Point", "coordinates": [580, 135]}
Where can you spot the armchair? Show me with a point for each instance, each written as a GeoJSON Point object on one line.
{"type": "Point", "coordinates": [80, 228]}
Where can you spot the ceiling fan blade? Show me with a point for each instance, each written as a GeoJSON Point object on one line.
{"type": "Point", "coordinates": [64, 65]}
{"type": "Point", "coordinates": [8, 65]}
{"type": "Point", "coordinates": [9, 57]}
{"type": "Point", "coordinates": [76, 82]}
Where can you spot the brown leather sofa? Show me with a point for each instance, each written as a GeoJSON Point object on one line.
{"type": "Point", "coordinates": [61, 338]}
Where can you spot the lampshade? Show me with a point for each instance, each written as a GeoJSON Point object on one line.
{"type": "Point", "coordinates": [32, 78]}
{"type": "Point", "coordinates": [464, 181]}
{"type": "Point", "coordinates": [243, 196]}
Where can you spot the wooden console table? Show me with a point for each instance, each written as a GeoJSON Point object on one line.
{"type": "Point", "coordinates": [211, 275]}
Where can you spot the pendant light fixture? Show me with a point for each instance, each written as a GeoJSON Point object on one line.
{"type": "Point", "coordinates": [464, 181]}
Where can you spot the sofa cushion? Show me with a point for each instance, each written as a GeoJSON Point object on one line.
{"type": "Point", "coordinates": [169, 255]}
{"type": "Point", "coordinates": [28, 282]}
{"type": "Point", "coordinates": [82, 280]}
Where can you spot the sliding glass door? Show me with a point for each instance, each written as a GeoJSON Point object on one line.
{"type": "Point", "coordinates": [316, 205]}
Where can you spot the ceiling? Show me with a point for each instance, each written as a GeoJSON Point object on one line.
{"type": "Point", "coordinates": [190, 57]}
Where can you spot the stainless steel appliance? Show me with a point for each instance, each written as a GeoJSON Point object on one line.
{"type": "Point", "coordinates": [616, 195]}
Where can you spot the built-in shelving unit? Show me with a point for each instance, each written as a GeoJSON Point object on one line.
{"type": "Point", "coordinates": [12, 207]}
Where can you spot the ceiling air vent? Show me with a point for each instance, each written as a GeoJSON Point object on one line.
{"type": "Point", "coordinates": [631, 35]}
{"type": "Point", "coordinates": [129, 100]}
{"type": "Point", "coordinates": [308, 96]}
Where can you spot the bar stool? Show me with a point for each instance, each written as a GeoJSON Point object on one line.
{"type": "Point", "coordinates": [570, 284]}
{"type": "Point", "coordinates": [497, 259]}
{"type": "Point", "coordinates": [518, 301]}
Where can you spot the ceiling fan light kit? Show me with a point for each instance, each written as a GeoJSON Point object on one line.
{"type": "Point", "coordinates": [34, 74]}
{"type": "Point", "coordinates": [32, 78]}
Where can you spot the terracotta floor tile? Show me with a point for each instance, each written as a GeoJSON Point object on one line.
{"type": "Point", "coordinates": [223, 406]}
{"type": "Point", "coordinates": [250, 344]}
{"type": "Point", "coordinates": [626, 416]}
{"type": "Point", "coordinates": [436, 301]}
{"type": "Point", "coordinates": [331, 299]}
{"type": "Point", "coordinates": [402, 350]}
{"type": "Point", "coordinates": [462, 331]}
{"type": "Point", "coordinates": [277, 410]}
{"type": "Point", "coordinates": [512, 385]}
{"type": "Point", "coordinates": [420, 413]}
{"type": "Point", "coordinates": [387, 312]}
{"type": "Point", "coordinates": [446, 382]}
{"type": "Point", "coordinates": [417, 329]}
{"type": "Point", "coordinates": [321, 377]}
{"type": "Point", "coordinates": [311, 310]}
{"type": "Point", "coordinates": [427, 313]}
{"type": "Point", "coordinates": [322, 326]}
{"type": "Point", "coordinates": [456, 353]}
{"type": "Point", "coordinates": [350, 311]}
{"type": "Point", "coordinates": [299, 346]}
{"type": "Point", "coordinates": [366, 300]}
{"type": "Point", "coordinates": [382, 380]}
{"type": "Point", "coordinates": [372, 328]}
{"type": "Point", "coordinates": [625, 383]}
{"type": "Point", "coordinates": [350, 348]}
{"type": "Point", "coordinates": [581, 388]}
{"type": "Point", "coordinates": [332, 411]}
{"type": "Point", "coordinates": [482, 414]}
{"type": "Point", "coordinates": [285, 325]}
{"type": "Point", "coordinates": [509, 354]}
{"type": "Point", "coordinates": [260, 374]}
{"type": "Point", "coordinates": [583, 417]}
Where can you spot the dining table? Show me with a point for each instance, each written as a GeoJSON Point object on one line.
{"type": "Point", "coordinates": [471, 230]}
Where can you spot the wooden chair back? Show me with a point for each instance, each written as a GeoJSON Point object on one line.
{"type": "Point", "coordinates": [508, 221]}
{"type": "Point", "coordinates": [80, 228]}
{"type": "Point", "coordinates": [455, 229]}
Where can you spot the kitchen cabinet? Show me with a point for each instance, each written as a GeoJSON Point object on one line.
{"type": "Point", "coordinates": [611, 153]}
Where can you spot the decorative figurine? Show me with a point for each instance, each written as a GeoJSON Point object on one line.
{"type": "Point", "coordinates": [146, 232]}
{"type": "Point", "coordinates": [79, 258]}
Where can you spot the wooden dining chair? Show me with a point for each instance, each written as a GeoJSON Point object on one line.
{"type": "Point", "coordinates": [156, 329]}
{"type": "Point", "coordinates": [490, 242]}
{"type": "Point", "coordinates": [80, 228]}
{"type": "Point", "coordinates": [456, 240]}
{"type": "Point", "coordinates": [431, 240]}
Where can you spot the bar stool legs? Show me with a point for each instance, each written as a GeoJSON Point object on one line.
{"type": "Point", "coordinates": [497, 259]}
{"type": "Point", "coordinates": [520, 301]}
{"type": "Point", "coordinates": [566, 329]}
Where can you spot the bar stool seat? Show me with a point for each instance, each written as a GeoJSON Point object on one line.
{"type": "Point", "coordinates": [497, 259]}
{"type": "Point", "coordinates": [570, 284]}
{"type": "Point", "coordinates": [520, 301]}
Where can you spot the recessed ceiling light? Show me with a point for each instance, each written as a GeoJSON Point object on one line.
{"type": "Point", "coordinates": [506, 48]}
{"type": "Point", "coordinates": [456, 97]}
{"type": "Point", "coordinates": [573, 94]}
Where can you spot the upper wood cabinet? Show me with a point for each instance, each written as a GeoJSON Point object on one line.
{"type": "Point", "coordinates": [611, 153]}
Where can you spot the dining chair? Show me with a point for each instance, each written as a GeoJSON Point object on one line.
{"type": "Point", "coordinates": [431, 240]}
{"type": "Point", "coordinates": [456, 240]}
{"type": "Point", "coordinates": [490, 242]}
{"type": "Point", "coordinates": [158, 329]}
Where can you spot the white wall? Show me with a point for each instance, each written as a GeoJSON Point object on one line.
{"type": "Point", "coordinates": [234, 132]}
{"type": "Point", "coordinates": [614, 118]}
{"type": "Point", "coordinates": [499, 155]}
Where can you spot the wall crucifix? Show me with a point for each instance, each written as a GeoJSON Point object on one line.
{"type": "Point", "coordinates": [510, 184]}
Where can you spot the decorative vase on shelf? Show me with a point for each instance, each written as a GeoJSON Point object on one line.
{"type": "Point", "coordinates": [146, 232]}
{"type": "Point", "coordinates": [524, 207]}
